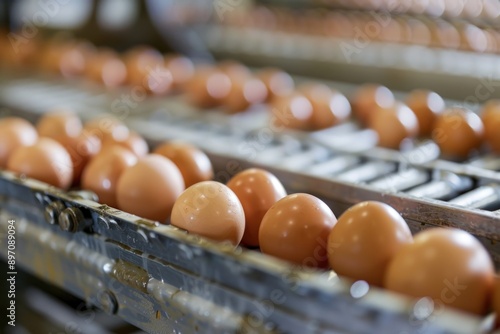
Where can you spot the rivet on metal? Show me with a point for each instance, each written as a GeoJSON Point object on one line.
{"type": "Point", "coordinates": [52, 212]}
{"type": "Point", "coordinates": [107, 302]}
{"type": "Point", "coordinates": [71, 219]}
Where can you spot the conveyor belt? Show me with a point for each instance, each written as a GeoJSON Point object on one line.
{"type": "Point", "coordinates": [152, 274]}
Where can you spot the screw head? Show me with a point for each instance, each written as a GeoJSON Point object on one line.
{"type": "Point", "coordinates": [70, 219]}
{"type": "Point", "coordinates": [52, 212]}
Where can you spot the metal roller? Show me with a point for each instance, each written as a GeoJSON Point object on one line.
{"type": "Point", "coordinates": [485, 197]}
{"type": "Point", "coordinates": [444, 186]}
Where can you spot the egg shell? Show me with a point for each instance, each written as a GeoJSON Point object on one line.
{"type": "Point", "coordinates": [393, 125]}
{"type": "Point", "coordinates": [245, 92]}
{"type": "Point", "coordinates": [496, 299]}
{"type": "Point", "coordinates": [46, 161]}
{"type": "Point", "coordinates": [158, 81]}
{"type": "Point", "coordinates": [73, 58]}
{"type": "Point", "coordinates": [15, 132]}
{"type": "Point", "coordinates": [458, 132]}
{"type": "Point", "coordinates": [330, 107]}
{"type": "Point", "coordinates": [491, 119]}
{"type": "Point", "coordinates": [293, 112]}
{"type": "Point", "coordinates": [296, 229]}
{"type": "Point", "coordinates": [61, 125]}
{"type": "Point", "coordinates": [140, 61]}
{"type": "Point", "coordinates": [448, 265]}
{"type": "Point", "coordinates": [102, 173]}
{"type": "Point", "coordinates": [257, 191]}
{"type": "Point", "coordinates": [181, 68]}
{"type": "Point", "coordinates": [208, 87]}
{"type": "Point", "coordinates": [212, 210]}
{"type": "Point", "coordinates": [368, 99]}
{"type": "Point", "coordinates": [150, 187]}
{"type": "Point", "coordinates": [233, 69]}
{"type": "Point", "coordinates": [82, 149]}
{"type": "Point", "coordinates": [133, 142]}
{"type": "Point", "coordinates": [445, 34]}
{"type": "Point", "coordinates": [365, 239]}
{"type": "Point", "coordinates": [106, 67]}
{"type": "Point", "coordinates": [194, 164]}
{"type": "Point", "coordinates": [426, 105]}
{"type": "Point", "coordinates": [107, 128]}
{"type": "Point", "coordinates": [278, 82]}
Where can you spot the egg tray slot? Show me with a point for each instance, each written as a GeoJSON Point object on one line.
{"type": "Point", "coordinates": [161, 279]}
{"type": "Point", "coordinates": [340, 165]}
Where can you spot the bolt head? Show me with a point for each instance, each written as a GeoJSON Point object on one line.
{"type": "Point", "coordinates": [107, 302]}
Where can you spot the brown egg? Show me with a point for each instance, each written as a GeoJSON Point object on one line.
{"type": "Point", "coordinates": [181, 68]}
{"type": "Point", "coordinates": [365, 239]}
{"type": "Point", "coordinates": [496, 299]}
{"type": "Point", "coordinates": [106, 67]}
{"type": "Point", "coordinates": [108, 128]}
{"type": "Point", "coordinates": [278, 83]}
{"type": "Point", "coordinates": [50, 55]}
{"type": "Point", "coordinates": [296, 229]}
{"type": "Point", "coordinates": [419, 33]}
{"type": "Point", "coordinates": [53, 50]}
{"type": "Point", "coordinates": [133, 142]}
{"type": "Point", "coordinates": [493, 40]}
{"type": "Point", "coordinates": [393, 125]}
{"type": "Point", "coordinates": [330, 107]}
{"type": "Point", "coordinates": [458, 132]}
{"type": "Point", "coordinates": [473, 38]}
{"type": "Point", "coordinates": [208, 87]}
{"type": "Point", "coordinates": [150, 187]}
{"type": "Point", "coordinates": [233, 69]}
{"type": "Point", "coordinates": [61, 125]}
{"type": "Point", "coordinates": [294, 112]}
{"type": "Point", "coordinates": [338, 24]}
{"type": "Point", "coordinates": [193, 163]}
{"type": "Point", "coordinates": [472, 9]}
{"type": "Point", "coordinates": [19, 51]}
{"type": "Point", "coordinates": [102, 173]}
{"type": "Point", "coordinates": [140, 61]}
{"type": "Point", "coordinates": [158, 81]}
{"type": "Point", "coordinates": [426, 105]}
{"type": "Point", "coordinates": [73, 58]}
{"type": "Point", "coordinates": [391, 31]}
{"type": "Point", "coordinates": [245, 92]}
{"type": "Point", "coordinates": [212, 210]}
{"type": "Point", "coordinates": [64, 55]}
{"type": "Point", "coordinates": [444, 34]}
{"type": "Point", "coordinates": [46, 161]}
{"type": "Point", "coordinates": [491, 119]}
{"type": "Point", "coordinates": [448, 265]}
{"type": "Point", "coordinates": [85, 146]}
{"type": "Point", "coordinates": [15, 132]}
{"type": "Point", "coordinates": [368, 99]}
{"type": "Point", "coordinates": [257, 191]}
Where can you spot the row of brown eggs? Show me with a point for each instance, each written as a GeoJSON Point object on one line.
{"type": "Point", "coordinates": [457, 130]}
{"type": "Point", "coordinates": [311, 106]}
{"type": "Point", "coordinates": [369, 242]}
{"type": "Point", "coordinates": [364, 26]}
{"type": "Point", "coordinates": [485, 9]}
{"type": "Point", "coordinates": [140, 66]}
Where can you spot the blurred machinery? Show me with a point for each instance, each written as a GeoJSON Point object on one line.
{"type": "Point", "coordinates": [120, 267]}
